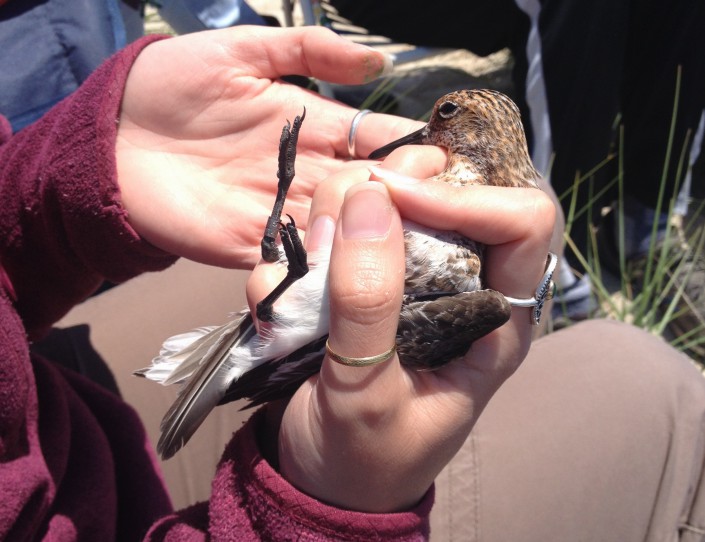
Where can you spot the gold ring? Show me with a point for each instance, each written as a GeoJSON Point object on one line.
{"type": "Point", "coordinates": [361, 362]}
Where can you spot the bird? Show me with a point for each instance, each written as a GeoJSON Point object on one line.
{"type": "Point", "coordinates": [445, 306]}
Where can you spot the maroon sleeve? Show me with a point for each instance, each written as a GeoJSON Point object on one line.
{"type": "Point", "coordinates": [74, 459]}
{"type": "Point", "coordinates": [250, 501]}
{"type": "Point", "coordinates": [62, 227]}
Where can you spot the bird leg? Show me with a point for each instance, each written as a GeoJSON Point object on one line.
{"type": "Point", "coordinates": [297, 265]}
{"type": "Point", "coordinates": [285, 174]}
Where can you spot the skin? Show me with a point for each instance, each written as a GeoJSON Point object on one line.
{"type": "Point", "coordinates": [205, 151]}
{"type": "Point", "coordinates": [401, 427]}
{"type": "Point", "coordinates": [196, 171]}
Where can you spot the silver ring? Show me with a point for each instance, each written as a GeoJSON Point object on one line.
{"type": "Point", "coordinates": [543, 293]}
{"type": "Point", "coordinates": [353, 131]}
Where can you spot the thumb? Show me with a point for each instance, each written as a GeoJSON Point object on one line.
{"type": "Point", "coordinates": [366, 280]}
{"type": "Point", "coordinates": [327, 441]}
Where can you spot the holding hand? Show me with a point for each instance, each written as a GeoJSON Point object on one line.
{"type": "Point", "coordinates": [374, 438]}
{"type": "Point", "coordinates": [199, 127]}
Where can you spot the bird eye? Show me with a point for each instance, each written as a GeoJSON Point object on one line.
{"type": "Point", "coordinates": [448, 109]}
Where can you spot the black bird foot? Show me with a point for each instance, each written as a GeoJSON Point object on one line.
{"type": "Point", "coordinates": [285, 174]}
{"type": "Point", "coordinates": [297, 267]}
{"type": "Point", "coordinates": [291, 242]}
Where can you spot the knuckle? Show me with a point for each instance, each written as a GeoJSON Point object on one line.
{"type": "Point", "coordinates": [366, 296]}
{"type": "Point", "coordinates": [540, 212]}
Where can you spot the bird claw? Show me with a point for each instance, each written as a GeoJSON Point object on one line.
{"type": "Point", "coordinates": [297, 267]}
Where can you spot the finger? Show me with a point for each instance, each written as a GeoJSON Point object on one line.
{"type": "Point", "coordinates": [347, 414]}
{"type": "Point", "coordinates": [375, 130]}
{"type": "Point", "coordinates": [517, 223]}
{"type": "Point", "coordinates": [311, 51]}
{"type": "Point", "coordinates": [418, 161]}
{"type": "Point", "coordinates": [366, 280]}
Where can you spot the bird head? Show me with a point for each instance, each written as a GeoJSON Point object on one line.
{"type": "Point", "coordinates": [480, 127]}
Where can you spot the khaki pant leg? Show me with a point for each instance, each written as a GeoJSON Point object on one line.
{"type": "Point", "coordinates": [128, 325]}
{"type": "Point", "coordinates": [599, 436]}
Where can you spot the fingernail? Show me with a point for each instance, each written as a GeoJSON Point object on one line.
{"type": "Point", "coordinates": [373, 69]}
{"type": "Point", "coordinates": [381, 174]}
{"type": "Point", "coordinates": [388, 66]}
{"type": "Point", "coordinates": [367, 212]}
{"type": "Point", "coordinates": [321, 233]}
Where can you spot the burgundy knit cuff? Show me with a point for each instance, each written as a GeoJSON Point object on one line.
{"type": "Point", "coordinates": [277, 507]}
{"type": "Point", "coordinates": [84, 175]}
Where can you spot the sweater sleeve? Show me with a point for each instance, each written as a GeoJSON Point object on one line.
{"type": "Point", "coordinates": [63, 229]}
{"type": "Point", "coordinates": [250, 501]}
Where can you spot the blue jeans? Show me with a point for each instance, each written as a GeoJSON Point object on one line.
{"type": "Point", "coordinates": [49, 48]}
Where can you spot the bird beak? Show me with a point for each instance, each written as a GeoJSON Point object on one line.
{"type": "Point", "coordinates": [419, 137]}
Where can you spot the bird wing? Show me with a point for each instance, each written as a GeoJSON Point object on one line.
{"type": "Point", "coordinates": [206, 386]}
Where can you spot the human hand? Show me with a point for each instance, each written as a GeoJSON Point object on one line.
{"type": "Point", "coordinates": [373, 439]}
{"type": "Point", "coordinates": [199, 130]}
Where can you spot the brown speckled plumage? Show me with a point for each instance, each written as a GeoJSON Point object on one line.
{"type": "Point", "coordinates": [446, 307]}
{"type": "Point", "coordinates": [483, 133]}
{"type": "Point", "coordinates": [484, 136]}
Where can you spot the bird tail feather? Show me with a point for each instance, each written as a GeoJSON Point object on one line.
{"type": "Point", "coordinates": [206, 373]}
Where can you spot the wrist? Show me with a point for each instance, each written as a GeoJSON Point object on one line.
{"type": "Point", "coordinates": [334, 470]}
{"type": "Point", "coordinates": [275, 506]}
